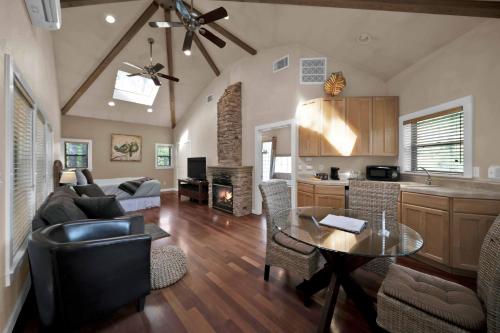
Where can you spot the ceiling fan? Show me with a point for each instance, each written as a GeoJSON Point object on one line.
{"type": "Point", "coordinates": [151, 71]}
{"type": "Point", "coordinates": [194, 23]}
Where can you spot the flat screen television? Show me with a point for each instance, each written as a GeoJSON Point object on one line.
{"type": "Point", "coordinates": [197, 168]}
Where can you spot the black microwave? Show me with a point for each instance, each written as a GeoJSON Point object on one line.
{"type": "Point", "coordinates": [382, 172]}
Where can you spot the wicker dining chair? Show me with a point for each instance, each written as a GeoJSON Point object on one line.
{"type": "Point", "coordinates": [410, 301]}
{"type": "Point", "coordinates": [376, 197]}
{"type": "Point", "coordinates": [281, 250]}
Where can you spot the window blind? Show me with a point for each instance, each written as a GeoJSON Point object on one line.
{"type": "Point", "coordinates": [41, 159]}
{"type": "Point", "coordinates": [22, 166]}
{"type": "Point", "coordinates": [435, 142]}
{"type": "Point", "coordinates": [50, 157]}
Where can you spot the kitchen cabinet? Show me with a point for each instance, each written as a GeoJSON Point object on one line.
{"type": "Point", "coordinates": [385, 129]}
{"type": "Point", "coordinates": [349, 126]}
{"type": "Point", "coordinates": [320, 195]}
{"type": "Point", "coordinates": [309, 120]}
{"type": "Point", "coordinates": [333, 127]}
{"type": "Point", "coordinates": [358, 126]}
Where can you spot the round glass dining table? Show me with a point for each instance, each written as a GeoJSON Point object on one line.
{"type": "Point", "coordinates": [345, 251]}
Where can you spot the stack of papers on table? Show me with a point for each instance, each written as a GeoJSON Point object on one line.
{"type": "Point", "coordinates": [343, 223]}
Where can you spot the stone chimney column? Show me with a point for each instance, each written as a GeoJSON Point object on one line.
{"type": "Point", "coordinates": [229, 128]}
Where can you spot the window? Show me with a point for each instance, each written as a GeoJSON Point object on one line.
{"type": "Point", "coordinates": [283, 164]}
{"type": "Point", "coordinates": [77, 153]}
{"type": "Point", "coordinates": [135, 89]}
{"type": "Point", "coordinates": [281, 64]}
{"type": "Point", "coordinates": [28, 156]}
{"type": "Point", "coordinates": [163, 158]}
{"type": "Point", "coordinates": [437, 142]}
{"type": "Point", "coordinates": [312, 70]}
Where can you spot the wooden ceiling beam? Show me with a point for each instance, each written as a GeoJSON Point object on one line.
{"type": "Point", "coordinates": [79, 3]}
{"type": "Point", "coordinates": [131, 32]}
{"type": "Point", "coordinates": [203, 50]}
{"type": "Point", "coordinates": [170, 67]}
{"type": "Point", "coordinates": [443, 7]}
{"type": "Point", "coordinates": [227, 34]}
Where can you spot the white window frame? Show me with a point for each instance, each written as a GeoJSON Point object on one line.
{"type": "Point", "coordinates": [313, 83]}
{"type": "Point", "coordinates": [278, 60]}
{"type": "Point", "coordinates": [171, 156]}
{"type": "Point", "coordinates": [89, 150]}
{"type": "Point", "coordinates": [14, 260]}
{"type": "Point", "coordinates": [467, 104]}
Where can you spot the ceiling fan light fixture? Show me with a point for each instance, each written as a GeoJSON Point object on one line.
{"type": "Point", "coordinates": [187, 52]}
{"type": "Point", "coordinates": [110, 19]}
{"type": "Point", "coordinates": [111, 103]}
{"type": "Point", "coordinates": [226, 18]}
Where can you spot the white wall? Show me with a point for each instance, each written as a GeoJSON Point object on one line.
{"type": "Point", "coordinates": [32, 51]}
{"type": "Point", "coordinates": [470, 65]}
{"type": "Point", "coordinates": [267, 98]}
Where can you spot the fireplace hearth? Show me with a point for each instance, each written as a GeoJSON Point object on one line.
{"type": "Point", "coordinates": [222, 193]}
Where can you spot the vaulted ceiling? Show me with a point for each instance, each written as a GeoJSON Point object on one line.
{"type": "Point", "coordinates": [398, 41]}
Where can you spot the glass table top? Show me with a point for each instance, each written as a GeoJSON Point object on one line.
{"type": "Point", "coordinates": [372, 241]}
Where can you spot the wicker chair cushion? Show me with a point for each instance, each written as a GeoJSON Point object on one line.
{"type": "Point", "coordinates": [444, 299]}
{"type": "Point", "coordinates": [292, 244]}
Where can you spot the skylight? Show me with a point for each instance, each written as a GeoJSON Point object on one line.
{"type": "Point", "coordinates": [135, 89]}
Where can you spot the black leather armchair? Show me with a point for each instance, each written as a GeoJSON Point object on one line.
{"type": "Point", "coordinates": [85, 269]}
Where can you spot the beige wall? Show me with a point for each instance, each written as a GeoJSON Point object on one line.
{"type": "Point", "coordinates": [267, 98]}
{"type": "Point", "coordinates": [283, 140]}
{"type": "Point", "coordinates": [99, 131]}
{"type": "Point", "coordinates": [32, 51]}
{"type": "Point", "coordinates": [470, 65]}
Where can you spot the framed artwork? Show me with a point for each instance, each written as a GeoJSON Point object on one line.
{"type": "Point", "coordinates": [126, 147]}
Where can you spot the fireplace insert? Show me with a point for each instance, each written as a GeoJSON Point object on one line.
{"type": "Point", "coordinates": [222, 194]}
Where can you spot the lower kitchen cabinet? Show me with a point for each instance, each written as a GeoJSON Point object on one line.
{"type": "Point", "coordinates": [327, 200]}
{"type": "Point", "coordinates": [320, 195]}
{"type": "Point", "coordinates": [433, 225]}
{"type": "Point", "coordinates": [305, 199]}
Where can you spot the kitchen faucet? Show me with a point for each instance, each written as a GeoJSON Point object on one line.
{"type": "Point", "coordinates": [428, 181]}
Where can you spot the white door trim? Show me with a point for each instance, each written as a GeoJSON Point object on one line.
{"type": "Point", "coordinates": [257, 199]}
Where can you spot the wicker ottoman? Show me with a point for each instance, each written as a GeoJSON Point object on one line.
{"type": "Point", "coordinates": [168, 265]}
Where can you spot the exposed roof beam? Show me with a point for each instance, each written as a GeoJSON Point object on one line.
{"type": "Point", "coordinates": [206, 55]}
{"type": "Point", "coordinates": [170, 67]}
{"type": "Point", "coordinates": [203, 50]}
{"type": "Point", "coordinates": [227, 34]}
{"type": "Point", "coordinates": [79, 3]}
{"type": "Point", "coordinates": [131, 32]}
{"type": "Point", "coordinates": [443, 7]}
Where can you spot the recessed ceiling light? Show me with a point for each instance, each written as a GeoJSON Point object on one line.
{"type": "Point", "coordinates": [364, 38]}
{"type": "Point", "coordinates": [111, 103]}
{"type": "Point", "coordinates": [110, 19]}
{"type": "Point", "coordinates": [150, 110]}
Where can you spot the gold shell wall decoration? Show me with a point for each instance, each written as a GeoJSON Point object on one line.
{"type": "Point", "coordinates": [335, 84]}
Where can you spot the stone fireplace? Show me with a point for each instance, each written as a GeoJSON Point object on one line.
{"type": "Point", "coordinates": [230, 187]}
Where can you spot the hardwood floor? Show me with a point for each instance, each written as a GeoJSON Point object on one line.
{"type": "Point", "coordinates": [224, 289]}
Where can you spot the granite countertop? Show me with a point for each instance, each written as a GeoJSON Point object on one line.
{"type": "Point", "coordinates": [421, 188]}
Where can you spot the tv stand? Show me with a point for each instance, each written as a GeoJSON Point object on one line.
{"type": "Point", "coordinates": [193, 189]}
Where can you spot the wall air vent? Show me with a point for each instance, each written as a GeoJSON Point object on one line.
{"type": "Point", "coordinates": [281, 64]}
{"type": "Point", "coordinates": [312, 70]}
{"type": "Point", "coordinates": [210, 98]}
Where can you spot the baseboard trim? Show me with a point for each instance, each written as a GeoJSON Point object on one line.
{"type": "Point", "coordinates": [19, 305]}
{"type": "Point", "coordinates": [171, 189]}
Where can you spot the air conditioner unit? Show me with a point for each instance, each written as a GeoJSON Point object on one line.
{"type": "Point", "coordinates": [45, 13]}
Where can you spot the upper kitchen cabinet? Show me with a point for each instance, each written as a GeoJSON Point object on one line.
{"type": "Point", "coordinates": [333, 127]}
{"type": "Point", "coordinates": [385, 126]}
{"type": "Point", "coordinates": [359, 125]}
{"type": "Point", "coordinates": [349, 126]}
{"type": "Point", "coordinates": [309, 121]}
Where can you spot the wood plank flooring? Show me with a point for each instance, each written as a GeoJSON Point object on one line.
{"type": "Point", "coordinates": [224, 290]}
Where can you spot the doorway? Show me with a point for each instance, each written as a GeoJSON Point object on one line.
{"type": "Point", "coordinates": [275, 157]}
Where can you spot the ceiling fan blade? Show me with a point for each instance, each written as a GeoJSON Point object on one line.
{"type": "Point", "coordinates": [211, 37]}
{"type": "Point", "coordinates": [188, 40]}
{"type": "Point", "coordinates": [155, 80]}
{"type": "Point", "coordinates": [168, 77]}
{"type": "Point", "coordinates": [213, 15]}
{"type": "Point", "coordinates": [132, 65]}
{"type": "Point", "coordinates": [135, 74]}
{"type": "Point", "coordinates": [181, 8]}
{"type": "Point", "coordinates": [158, 67]}
{"type": "Point", "coordinates": [165, 24]}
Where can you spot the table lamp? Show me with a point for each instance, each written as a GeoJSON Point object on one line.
{"type": "Point", "coordinates": [68, 178]}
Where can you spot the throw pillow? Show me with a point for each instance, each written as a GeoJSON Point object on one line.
{"type": "Point", "coordinates": [80, 177]}
{"type": "Point", "coordinates": [60, 209]}
{"type": "Point", "coordinates": [88, 175]}
{"type": "Point", "coordinates": [100, 207]}
{"type": "Point", "coordinates": [91, 190]}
